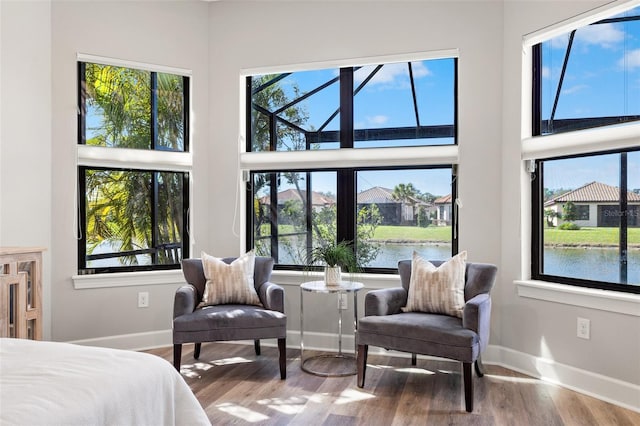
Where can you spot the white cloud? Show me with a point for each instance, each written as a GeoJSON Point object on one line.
{"type": "Point", "coordinates": [574, 89]}
{"type": "Point", "coordinates": [560, 42]}
{"type": "Point", "coordinates": [603, 35]}
{"type": "Point", "coordinates": [377, 119]}
{"type": "Point", "coordinates": [630, 60]}
{"type": "Point", "coordinates": [546, 72]}
{"type": "Point", "coordinates": [392, 74]}
{"type": "Point", "coordinates": [420, 70]}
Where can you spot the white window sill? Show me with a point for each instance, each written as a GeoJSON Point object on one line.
{"type": "Point", "coordinates": [605, 300]}
{"type": "Point", "coordinates": [128, 279]}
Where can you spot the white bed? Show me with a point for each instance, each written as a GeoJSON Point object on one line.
{"type": "Point", "coordinates": [43, 383]}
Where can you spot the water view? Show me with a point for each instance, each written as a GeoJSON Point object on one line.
{"type": "Point", "coordinates": [598, 264]}
{"type": "Point", "coordinates": [390, 254]}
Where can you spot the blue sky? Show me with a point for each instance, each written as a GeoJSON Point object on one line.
{"type": "Point", "coordinates": [602, 79]}
{"type": "Point", "coordinates": [385, 101]}
{"type": "Point", "coordinates": [603, 72]}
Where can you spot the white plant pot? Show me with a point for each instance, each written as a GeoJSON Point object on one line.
{"type": "Point", "coordinates": [332, 275]}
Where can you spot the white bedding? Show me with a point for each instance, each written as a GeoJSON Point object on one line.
{"type": "Point", "coordinates": [49, 383]}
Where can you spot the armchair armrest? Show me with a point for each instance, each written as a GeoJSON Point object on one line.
{"type": "Point", "coordinates": [272, 296]}
{"type": "Point", "coordinates": [476, 316]}
{"type": "Point", "coordinates": [185, 300]}
{"type": "Point", "coordinates": [385, 301]}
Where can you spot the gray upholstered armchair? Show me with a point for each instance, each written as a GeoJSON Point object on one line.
{"type": "Point", "coordinates": [192, 324]}
{"type": "Point", "coordinates": [462, 339]}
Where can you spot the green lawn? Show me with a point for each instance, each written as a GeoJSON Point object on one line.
{"type": "Point", "coordinates": [552, 236]}
{"type": "Point", "coordinates": [589, 236]}
{"type": "Point", "coordinates": [408, 233]}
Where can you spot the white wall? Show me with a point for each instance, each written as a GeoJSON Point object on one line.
{"type": "Point", "coordinates": [165, 33]}
{"type": "Point", "coordinates": [25, 135]}
{"type": "Point", "coordinates": [218, 39]}
{"type": "Point", "coordinates": [249, 35]}
{"type": "Point", "coordinates": [542, 329]}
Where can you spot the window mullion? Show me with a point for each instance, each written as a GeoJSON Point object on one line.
{"type": "Point", "coordinates": [186, 99]}
{"type": "Point", "coordinates": [82, 217]}
{"type": "Point", "coordinates": [273, 222]}
{"type": "Point", "coordinates": [346, 198]}
{"type": "Point", "coordinates": [154, 175]}
{"type": "Point", "coordinates": [623, 217]}
{"type": "Point", "coordinates": [536, 96]}
{"type": "Point", "coordinates": [82, 107]}
{"type": "Point", "coordinates": [154, 218]}
{"type": "Point", "coordinates": [537, 228]}
{"type": "Point", "coordinates": [154, 111]}
{"type": "Point", "coordinates": [309, 213]}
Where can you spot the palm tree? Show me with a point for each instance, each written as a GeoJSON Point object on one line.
{"type": "Point", "coordinates": [406, 193]}
{"type": "Point", "coordinates": [119, 209]}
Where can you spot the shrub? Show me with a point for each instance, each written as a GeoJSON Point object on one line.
{"type": "Point", "coordinates": [569, 226]}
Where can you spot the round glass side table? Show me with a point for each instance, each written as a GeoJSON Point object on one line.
{"type": "Point", "coordinates": [329, 359]}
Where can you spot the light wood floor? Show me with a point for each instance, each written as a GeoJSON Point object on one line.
{"type": "Point", "coordinates": [237, 387]}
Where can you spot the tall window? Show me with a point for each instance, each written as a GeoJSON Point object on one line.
{"type": "Point", "coordinates": [388, 205]}
{"type": "Point", "coordinates": [133, 180]}
{"type": "Point", "coordinates": [586, 202]}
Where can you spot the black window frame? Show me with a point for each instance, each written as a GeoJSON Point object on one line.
{"type": "Point", "coordinates": [537, 228]}
{"type": "Point", "coordinates": [346, 227]}
{"type": "Point", "coordinates": [184, 249]}
{"type": "Point", "coordinates": [540, 128]}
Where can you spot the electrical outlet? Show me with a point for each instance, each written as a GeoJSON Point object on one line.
{"type": "Point", "coordinates": [143, 299]}
{"type": "Point", "coordinates": [343, 302]}
{"type": "Point", "coordinates": [584, 328]}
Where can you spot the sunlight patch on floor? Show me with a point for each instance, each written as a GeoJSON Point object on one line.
{"type": "Point", "coordinates": [193, 370]}
{"type": "Point", "coordinates": [379, 367]}
{"type": "Point", "coordinates": [352, 395]}
{"type": "Point", "coordinates": [242, 412]}
{"type": "Point", "coordinates": [415, 370]}
{"type": "Point", "coordinates": [292, 405]}
{"type": "Point", "coordinates": [230, 361]}
{"type": "Point", "coordinates": [512, 379]}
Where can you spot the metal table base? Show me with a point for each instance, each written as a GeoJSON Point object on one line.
{"type": "Point", "coordinates": [340, 357]}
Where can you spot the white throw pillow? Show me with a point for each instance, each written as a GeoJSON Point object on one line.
{"type": "Point", "coordinates": [437, 290]}
{"type": "Point", "coordinates": [229, 283]}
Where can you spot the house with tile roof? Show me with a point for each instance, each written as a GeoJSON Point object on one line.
{"type": "Point", "coordinates": [597, 205]}
{"type": "Point", "coordinates": [318, 201]}
{"type": "Point", "coordinates": [443, 209]}
{"type": "Point", "coordinates": [393, 211]}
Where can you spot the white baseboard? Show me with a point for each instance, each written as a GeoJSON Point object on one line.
{"type": "Point", "coordinates": [133, 341]}
{"type": "Point", "coordinates": [605, 388]}
{"type": "Point", "coordinates": [602, 387]}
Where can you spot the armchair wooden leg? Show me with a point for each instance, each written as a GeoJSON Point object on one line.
{"type": "Point", "coordinates": [414, 359]}
{"type": "Point", "coordinates": [479, 367]}
{"type": "Point", "coordinates": [468, 386]}
{"type": "Point", "coordinates": [362, 363]}
{"type": "Point", "coordinates": [282, 347]}
{"type": "Point", "coordinates": [177, 355]}
{"type": "Point", "coordinates": [256, 346]}
{"type": "Point", "coordinates": [196, 350]}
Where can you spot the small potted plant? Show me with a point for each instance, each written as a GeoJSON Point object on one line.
{"type": "Point", "coordinates": [335, 257]}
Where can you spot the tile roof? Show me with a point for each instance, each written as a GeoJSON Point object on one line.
{"type": "Point", "coordinates": [380, 195]}
{"type": "Point", "coordinates": [376, 195]}
{"type": "Point", "coordinates": [445, 199]}
{"type": "Point", "coordinates": [593, 192]}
